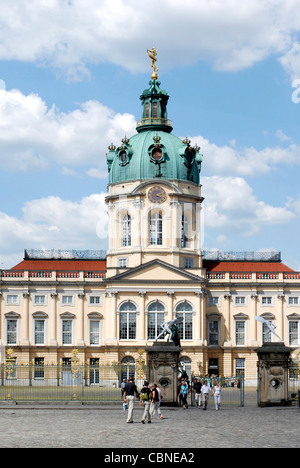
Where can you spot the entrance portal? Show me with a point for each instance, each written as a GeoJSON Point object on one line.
{"type": "Point", "coordinates": [213, 366]}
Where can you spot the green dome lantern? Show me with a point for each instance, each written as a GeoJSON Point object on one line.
{"type": "Point", "coordinates": [153, 152]}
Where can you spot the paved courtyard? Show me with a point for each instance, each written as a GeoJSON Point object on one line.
{"type": "Point", "coordinates": [105, 427]}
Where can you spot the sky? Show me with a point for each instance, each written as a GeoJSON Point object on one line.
{"type": "Point", "coordinates": [71, 74]}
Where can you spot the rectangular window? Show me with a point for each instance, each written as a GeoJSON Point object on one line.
{"type": "Point", "coordinates": [12, 299]}
{"type": "Point", "coordinates": [188, 263]}
{"type": "Point", "coordinates": [293, 332]}
{"type": "Point", "coordinates": [213, 300]}
{"type": "Point", "coordinates": [67, 326]}
{"type": "Point", "coordinates": [240, 329]}
{"type": "Point", "coordinates": [268, 300]}
{"type": "Point", "coordinates": [155, 320]}
{"type": "Point", "coordinates": [94, 332]}
{"type": "Point", "coordinates": [293, 300]}
{"type": "Point", "coordinates": [240, 300]}
{"type": "Point", "coordinates": [154, 110]}
{"type": "Point", "coordinates": [95, 300]}
{"type": "Point", "coordinates": [39, 370]}
{"type": "Point", "coordinates": [40, 300]}
{"type": "Point", "coordinates": [240, 366]}
{"type": "Point", "coordinates": [11, 331]}
{"type": "Point", "coordinates": [67, 300]}
{"type": "Point", "coordinates": [123, 262]}
{"type": "Point", "coordinates": [213, 332]}
{"type": "Point", "coordinates": [127, 326]}
{"type": "Point", "coordinates": [39, 332]}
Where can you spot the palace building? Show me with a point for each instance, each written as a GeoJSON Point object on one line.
{"type": "Point", "coordinates": [110, 305]}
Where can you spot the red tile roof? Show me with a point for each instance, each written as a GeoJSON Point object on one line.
{"type": "Point", "coordinates": [245, 266]}
{"type": "Point", "coordinates": [62, 265]}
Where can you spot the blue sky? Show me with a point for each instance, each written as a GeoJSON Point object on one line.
{"type": "Point", "coordinates": [71, 73]}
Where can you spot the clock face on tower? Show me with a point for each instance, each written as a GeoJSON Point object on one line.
{"type": "Point", "coordinates": [157, 194]}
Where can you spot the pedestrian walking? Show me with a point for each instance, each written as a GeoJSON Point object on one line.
{"type": "Point", "coordinates": [217, 395]}
{"type": "Point", "coordinates": [205, 390]}
{"type": "Point", "coordinates": [184, 391]}
{"type": "Point", "coordinates": [155, 402]}
{"type": "Point", "coordinates": [129, 391]}
{"type": "Point", "coordinates": [197, 392]}
{"type": "Point", "coordinates": [122, 387]}
{"type": "Point", "coordinates": [145, 401]}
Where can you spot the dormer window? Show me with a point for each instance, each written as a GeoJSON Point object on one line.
{"type": "Point", "coordinates": [123, 156]}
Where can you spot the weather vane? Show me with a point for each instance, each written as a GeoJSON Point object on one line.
{"type": "Point", "coordinates": [152, 54]}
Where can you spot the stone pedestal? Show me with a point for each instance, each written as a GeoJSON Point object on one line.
{"type": "Point", "coordinates": [273, 361]}
{"type": "Point", "coordinates": [163, 362]}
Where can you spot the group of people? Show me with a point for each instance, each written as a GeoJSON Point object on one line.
{"type": "Point", "coordinates": [150, 398]}
{"type": "Point", "coordinates": [201, 392]}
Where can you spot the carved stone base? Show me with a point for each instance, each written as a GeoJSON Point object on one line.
{"type": "Point", "coordinates": [163, 362]}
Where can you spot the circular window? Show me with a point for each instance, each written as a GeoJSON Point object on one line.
{"type": "Point", "coordinates": [164, 382]}
{"type": "Point", "coordinates": [157, 154]}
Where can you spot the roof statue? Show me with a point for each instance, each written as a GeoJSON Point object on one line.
{"type": "Point", "coordinates": [270, 326]}
{"type": "Point", "coordinates": [152, 54]}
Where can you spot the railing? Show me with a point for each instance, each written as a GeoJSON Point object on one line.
{"type": "Point", "coordinates": [232, 390]}
{"type": "Point", "coordinates": [66, 383]}
{"type": "Point", "coordinates": [154, 121]}
{"type": "Point", "coordinates": [51, 274]}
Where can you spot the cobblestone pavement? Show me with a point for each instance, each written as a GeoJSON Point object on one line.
{"type": "Point", "coordinates": [89, 426]}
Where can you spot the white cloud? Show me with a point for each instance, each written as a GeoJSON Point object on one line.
{"type": "Point", "coordinates": [32, 137]}
{"type": "Point", "coordinates": [70, 35]}
{"type": "Point", "coordinates": [54, 223]}
{"type": "Point", "coordinates": [231, 207]}
{"type": "Point", "coordinates": [246, 161]}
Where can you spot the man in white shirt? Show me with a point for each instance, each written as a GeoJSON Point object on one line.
{"type": "Point", "coordinates": [205, 390]}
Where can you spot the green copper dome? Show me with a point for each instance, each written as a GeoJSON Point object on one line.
{"type": "Point", "coordinates": [154, 152]}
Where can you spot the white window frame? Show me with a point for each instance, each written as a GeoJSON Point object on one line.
{"type": "Point", "coordinates": [16, 302]}
{"type": "Point", "coordinates": [123, 262]}
{"type": "Point", "coordinates": [92, 300]}
{"type": "Point", "coordinates": [236, 321]}
{"type": "Point", "coordinates": [62, 331]}
{"type": "Point", "coordinates": [298, 331]}
{"type": "Point", "coordinates": [238, 301]}
{"type": "Point", "coordinates": [39, 303]}
{"type": "Point", "coordinates": [98, 321]}
{"type": "Point", "coordinates": [39, 319]}
{"type": "Point", "coordinates": [214, 300]}
{"type": "Point", "coordinates": [267, 301]}
{"type": "Point", "coordinates": [67, 304]}
{"type": "Point", "coordinates": [188, 262]}
{"type": "Point", "coordinates": [156, 229]}
{"type": "Point", "coordinates": [293, 301]}
{"type": "Point", "coordinates": [17, 320]}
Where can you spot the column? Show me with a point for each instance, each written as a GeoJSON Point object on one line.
{"type": "Point", "coordinates": [80, 320]}
{"type": "Point", "coordinates": [203, 318]}
{"type": "Point", "coordinates": [281, 328]}
{"type": "Point", "coordinates": [253, 338]}
{"type": "Point", "coordinates": [170, 305]}
{"type": "Point", "coordinates": [25, 339]}
{"type": "Point", "coordinates": [111, 318]}
{"type": "Point", "coordinates": [227, 318]}
{"type": "Point", "coordinates": [198, 321]}
{"type": "Point", "coordinates": [142, 335]}
{"type": "Point", "coordinates": [52, 324]}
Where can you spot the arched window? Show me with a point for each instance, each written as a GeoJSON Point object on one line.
{"type": "Point", "coordinates": [156, 317]}
{"type": "Point", "coordinates": [185, 328]}
{"type": "Point", "coordinates": [128, 321]}
{"type": "Point", "coordinates": [127, 368]}
{"type": "Point", "coordinates": [156, 229]}
{"type": "Point", "coordinates": [126, 230]}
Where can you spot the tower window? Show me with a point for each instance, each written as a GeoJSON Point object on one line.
{"type": "Point", "coordinates": [126, 231]}
{"type": "Point", "coordinates": [155, 110]}
{"type": "Point", "coordinates": [147, 110]}
{"type": "Point", "coordinates": [156, 229]}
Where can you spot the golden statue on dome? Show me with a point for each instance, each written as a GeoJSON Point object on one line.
{"type": "Point", "coordinates": [152, 54]}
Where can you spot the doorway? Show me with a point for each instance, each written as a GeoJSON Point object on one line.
{"type": "Point", "coordinates": [213, 366]}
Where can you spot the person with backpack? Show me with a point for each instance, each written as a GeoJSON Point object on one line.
{"type": "Point", "coordinates": [156, 400]}
{"type": "Point", "coordinates": [145, 401]}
